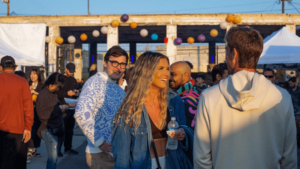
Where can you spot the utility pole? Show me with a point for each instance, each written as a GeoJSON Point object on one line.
{"type": "Point", "coordinates": [89, 7]}
{"type": "Point", "coordinates": [7, 2]}
{"type": "Point", "coordinates": [283, 4]}
{"type": "Point", "coordinates": [7, 7]}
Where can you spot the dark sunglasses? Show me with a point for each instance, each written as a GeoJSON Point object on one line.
{"type": "Point", "coordinates": [116, 64]}
{"type": "Point", "coordinates": [269, 77]}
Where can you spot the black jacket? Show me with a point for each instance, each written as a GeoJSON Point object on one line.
{"type": "Point", "coordinates": [70, 84]}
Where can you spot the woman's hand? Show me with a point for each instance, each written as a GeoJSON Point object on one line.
{"type": "Point", "coordinates": [34, 92]}
{"type": "Point", "coordinates": [106, 148]}
{"type": "Point", "coordinates": [178, 135]}
{"type": "Point", "coordinates": [32, 87]}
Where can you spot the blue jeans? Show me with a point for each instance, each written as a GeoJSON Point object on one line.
{"type": "Point", "coordinates": [52, 144]}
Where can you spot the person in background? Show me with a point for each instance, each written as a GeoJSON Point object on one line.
{"type": "Point", "coordinates": [180, 83]}
{"type": "Point", "coordinates": [30, 142]}
{"type": "Point", "coordinates": [122, 82]}
{"type": "Point", "coordinates": [16, 117]}
{"type": "Point", "coordinates": [21, 74]}
{"type": "Point", "coordinates": [50, 113]}
{"type": "Point", "coordinates": [192, 67]}
{"type": "Point", "coordinates": [200, 83]}
{"type": "Point", "coordinates": [128, 76]}
{"type": "Point", "coordinates": [270, 74]}
{"type": "Point", "coordinates": [36, 85]}
{"type": "Point", "coordinates": [245, 121]}
{"type": "Point", "coordinates": [219, 72]}
{"type": "Point", "coordinates": [146, 110]}
{"type": "Point", "coordinates": [93, 69]}
{"type": "Point", "coordinates": [69, 90]}
{"type": "Point", "coordinates": [294, 91]}
{"type": "Point", "coordinates": [94, 114]}
{"type": "Point", "coordinates": [80, 85]}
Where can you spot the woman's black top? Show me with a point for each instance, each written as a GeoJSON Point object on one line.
{"type": "Point", "coordinates": [48, 110]}
{"type": "Point", "coordinates": [156, 133]}
{"type": "Point", "coordinates": [39, 87]}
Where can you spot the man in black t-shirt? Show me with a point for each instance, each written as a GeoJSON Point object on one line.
{"type": "Point", "coordinates": [70, 90]}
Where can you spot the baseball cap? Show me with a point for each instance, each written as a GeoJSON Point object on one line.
{"type": "Point", "coordinates": [71, 67]}
{"type": "Point", "coordinates": [8, 61]}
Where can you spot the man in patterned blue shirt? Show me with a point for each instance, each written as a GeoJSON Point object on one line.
{"type": "Point", "coordinates": [98, 103]}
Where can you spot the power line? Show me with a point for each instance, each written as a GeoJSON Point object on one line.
{"type": "Point", "coordinates": [37, 5]}
{"type": "Point", "coordinates": [217, 7]}
{"type": "Point", "coordinates": [273, 7]}
{"type": "Point", "coordinates": [294, 6]}
{"type": "Point", "coordinates": [44, 6]}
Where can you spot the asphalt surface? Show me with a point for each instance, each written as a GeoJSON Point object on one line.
{"type": "Point", "coordinates": [75, 161]}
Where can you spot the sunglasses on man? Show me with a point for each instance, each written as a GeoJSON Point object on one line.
{"type": "Point", "coordinates": [116, 64]}
{"type": "Point", "coordinates": [269, 77]}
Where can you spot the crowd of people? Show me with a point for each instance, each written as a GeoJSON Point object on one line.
{"type": "Point", "coordinates": [240, 120]}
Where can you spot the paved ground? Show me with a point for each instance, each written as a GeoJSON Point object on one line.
{"type": "Point", "coordinates": [79, 143]}
{"type": "Point", "coordinates": [73, 161]}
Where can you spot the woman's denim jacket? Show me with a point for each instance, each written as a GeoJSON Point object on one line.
{"type": "Point", "coordinates": [131, 149]}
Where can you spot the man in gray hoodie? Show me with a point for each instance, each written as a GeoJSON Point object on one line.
{"type": "Point", "coordinates": [245, 121]}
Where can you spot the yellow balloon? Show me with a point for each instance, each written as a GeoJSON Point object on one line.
{"type": "Point", "coordinates": [214, 33]}
{"type": "Point", "coordinates": [34, 97]}
{"type": "Point", "coordinates": [59, 40]}
{"type": "Point", "coordinates": [237, 19]}
{"type": "Point", "coordinates": [190, 40]}
{"type": "Point", "coordinates": [83, 37]}
{"type": "Point", "coordinates": [133, 25]}
{"type": "Point", "coordinates": [230, 18]}
{"type": "Point", "coordinates": [115, 23]}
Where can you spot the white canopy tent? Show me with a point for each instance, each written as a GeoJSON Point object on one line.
{"type": "Point", "coordinates": [20, 58]}
{"type": "Point", "coordinates": [281, 47]}
{"type": "Point", "coordinates": [24, 42]}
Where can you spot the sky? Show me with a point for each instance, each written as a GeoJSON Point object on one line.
{"type": "Point", "coordinates": [79, 7]}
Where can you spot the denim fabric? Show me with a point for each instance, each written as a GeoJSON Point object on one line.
{"type": "Point", "coordinates": [52, 144]}
{"type": "Point", "coordinates": [131, 149]}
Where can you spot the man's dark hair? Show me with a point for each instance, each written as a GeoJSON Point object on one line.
{"type": "Point", "coordinates": [293, 79]}
{"type": "Point", "coordinates": [55, 78]}
{"type": "Point", "coordinates": [224, 66]}
{"type": "Point", "coordinates": [271, 70]}
{"type": "Point", "coordinates": [190, 64]}
{"type": "Point", "coordinates": [21, 73]}
{"type": "Point", "coordinates": [202, 77]}
{"type": "Point", "coordinates": [218, 69]}
{"type": "Point", "coordinates": [115, 51]}
{"type": "Point", "coordinates": [248, 43]}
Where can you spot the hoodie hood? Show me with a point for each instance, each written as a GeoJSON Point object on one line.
{"type": "Point", "coordinates": [245, 90]}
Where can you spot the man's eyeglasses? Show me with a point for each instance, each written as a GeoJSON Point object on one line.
{"type": "Point", "coordinates": [116, 64]}
{"type": "Point", "coordinates": [269, 77]}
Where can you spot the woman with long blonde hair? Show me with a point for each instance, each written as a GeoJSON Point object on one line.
{"type": "Point", "coordinates": [139, 138]}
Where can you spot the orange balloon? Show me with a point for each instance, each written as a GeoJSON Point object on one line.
{"type": "Point", "coordinates": [133, 25]}
{"type": "Point", "coordinates": [34, 97]}
{"type": "Point", "coordinates": [237, 19]}
{"type": "Point", "coordinates": [230, 18]}
{"type": "Point", "coordinates": [59, 40]}
{"type": "Point", "coordinates": [83, 37]}
{"type": "Point", "coordinates": [115, 23]}
{"type": "Point", "coordinates": [190, 40]}
{"type": "Point", "coordinates": [214, 33]}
